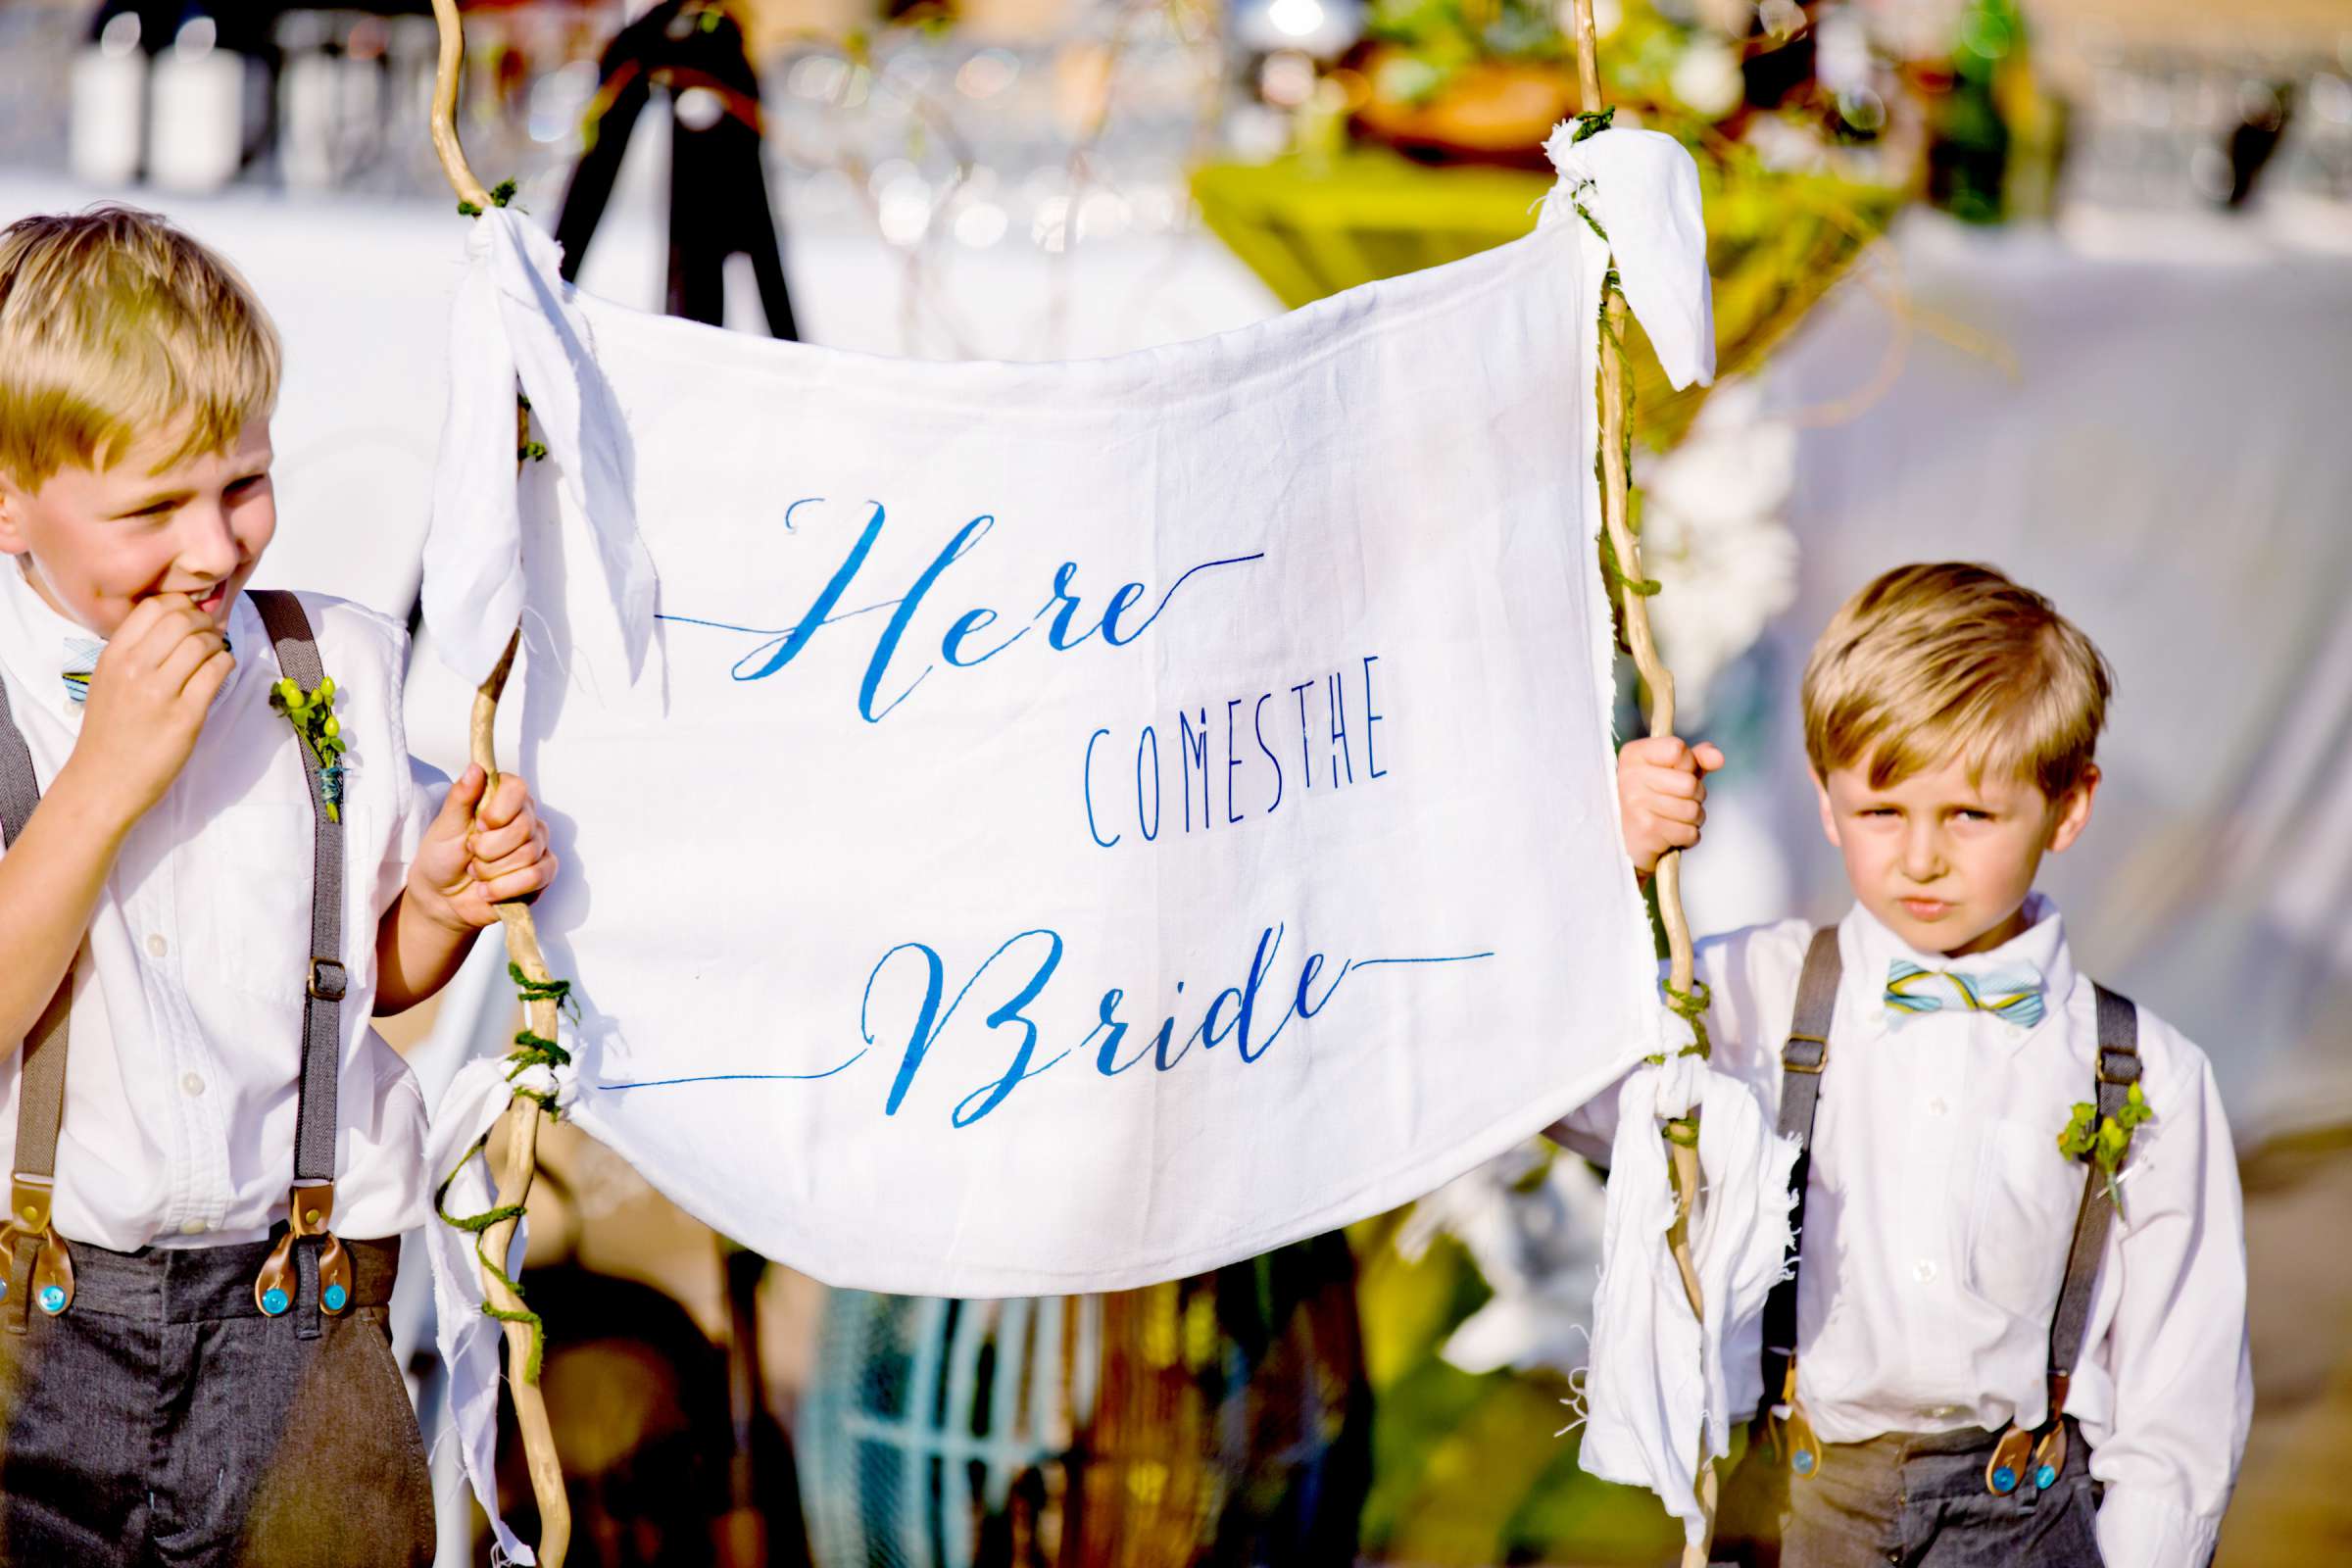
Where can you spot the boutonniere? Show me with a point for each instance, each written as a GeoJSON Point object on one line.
{"type": "Point", "coordinates": [2104, 1140]}
{"type": "Point", "coordinates": [313, 715]}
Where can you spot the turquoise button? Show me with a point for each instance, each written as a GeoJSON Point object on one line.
{"type": "Point", "coordinates": [274, 1301]}
{"type": "Point", "coordinates": [53, 1299]}
{"type": "Point", "coordinates": [2046, 1477]}
{"type": "Point", "coordinates": [336, 1296]}
{"type": "Point", "coordinates": [2004, 1480]}
{"type": "Point", "coordinates": [1803, 1462]}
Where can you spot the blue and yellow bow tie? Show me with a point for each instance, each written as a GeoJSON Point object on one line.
{"type": "Point", "coordinates": [81, 661]}
{"type": "Point", "coordinates": [2012, 991]}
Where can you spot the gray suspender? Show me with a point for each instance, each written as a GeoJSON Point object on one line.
{"type": "Point", "coordinates": [39, 1267]}
{"type": "Point", "coordinates": [1802, 1059]}
{"type": "Point", "coordinates": [320, 1270]}
{"type": "Point", "coordinates": [37, 1261]}
{"type": "Point", "coordinates": [325, 977]}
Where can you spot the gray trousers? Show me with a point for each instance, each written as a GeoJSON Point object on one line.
{"type": "Point", "coordinates": [162, 1419]}
{"type": "Point", "coordinates": [1909, 1498]}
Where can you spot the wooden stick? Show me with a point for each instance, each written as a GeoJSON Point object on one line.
{"type": "Point", "coordinates": [522, 945]}
{"type": "Point", "coordinates": [1682, 1158]}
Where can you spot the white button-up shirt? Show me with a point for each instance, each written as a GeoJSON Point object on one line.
{"type": "Point", "coordinates": [1940, 1211]}
{"type": "Point", "coordinates": [186, 1032]}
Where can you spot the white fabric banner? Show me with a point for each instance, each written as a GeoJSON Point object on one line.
{"type": "Point", "coordinates": [1068, 826]}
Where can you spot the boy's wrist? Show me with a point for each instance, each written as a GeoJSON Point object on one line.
{"type": "Point", "coordinates": [437, 910]}
{"type": "Point", "coordinates": [97, 804]}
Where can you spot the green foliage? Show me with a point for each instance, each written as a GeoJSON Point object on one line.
{"type": "Point", "coordinates": [313, 715]}
{"type": "Point", "coordinates": [500, 195]}
{"type": "Point", "coordinates": [530, 1050]}
{"type": "Point", "coordinates": [1445, 36]}
{"type": "Point", "coordinates": [2104, 1140]}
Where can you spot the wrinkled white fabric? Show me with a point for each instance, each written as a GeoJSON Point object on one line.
{"type": "Point", "coordinates": [1642, 189]}
{"type": "Point", "coordinates": [468, 1339]}
{"type": "Point", "coordinates": [1660, 1384]}
{"type": "Point", "coordinates": [514, 316]}
{"type": "Point", "coordinates": [1154, 809]}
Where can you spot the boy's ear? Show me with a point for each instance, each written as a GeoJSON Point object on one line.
{"type": "Point", "coordinates": [1829, 812]}
{"type": "Point", "coordinates": [2074, 810]}
{"type": "Point", "coordinates": [11, 529]}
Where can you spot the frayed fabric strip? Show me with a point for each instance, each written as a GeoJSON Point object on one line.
{"type": "Point", "coordinates": [514, 319]}
{"type": "Point", "coordinates": [1662, 1384]}
{"type": "Point", "coordinates": [1641, 188]}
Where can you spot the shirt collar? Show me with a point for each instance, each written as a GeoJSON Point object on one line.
{"type": "Point", "coordinates": [33, 642]}
{"type": "Point", "coordinates": [1867, 948]}
{"type": "Point", "coordinates": [33, 639]}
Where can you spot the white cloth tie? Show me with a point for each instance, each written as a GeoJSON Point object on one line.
{"type": "Point", "coordinates": [514, 316]}
{"type": "Point", "coordinates": [1642, 189]}
{"type": "Point", "coordinates": [1660, 1381]}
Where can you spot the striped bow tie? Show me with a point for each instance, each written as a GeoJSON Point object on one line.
{"type": "Point", "coordinates": [2012, 991]}
{"type": "Point", "coordinates": [81, 661]}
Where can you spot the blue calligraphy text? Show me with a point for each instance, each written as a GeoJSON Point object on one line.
{"type": "Point", "coordinates": [963, 646]}
{"type": "Point", "coordinates": [1252, 776]}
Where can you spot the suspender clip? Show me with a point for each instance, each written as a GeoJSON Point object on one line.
{"type": "Point", "coordinates": [310, 1209]}
{"type": "Point", "coordinates": [329, 980]}
{"type": "Point", "coordinates": [29, 1203]}
{"type": "Point", "coordinates": [2117, 1067]}
{"type": "Point", "coordinates": [1804, 1053]}
{"type": "Point", "coordinates": [37, 1261]}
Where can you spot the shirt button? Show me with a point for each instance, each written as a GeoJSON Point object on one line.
{"type": "Point", "coordinates": [191, 1086]}
{"type": "Point", "coordinates": [193, 1227]}
{"type": "Point", "coordinates": [1924, 1271]}
{"type": "Point", "coordinates": [1937, 1106]}
{"type": "Point", "coordinates": [157, 947]}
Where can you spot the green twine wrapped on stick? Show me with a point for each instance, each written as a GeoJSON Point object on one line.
{"type": "Point", "coordinates": [531, 1051]}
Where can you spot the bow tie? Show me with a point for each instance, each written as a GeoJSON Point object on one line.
{"type": "Point", "coordinates": [2012, 991]}
{"type": "Point", "coordinates": [81, 661]}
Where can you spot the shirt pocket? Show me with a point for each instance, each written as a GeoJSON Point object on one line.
{"type": "Point", "coordinates": [2020, 1218]}
{"type": "Point", "coordinates": [252, 931]}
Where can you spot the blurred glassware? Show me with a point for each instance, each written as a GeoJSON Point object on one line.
{"type": "Point", "coordinates": [109, 126]}
{"type": "Point", "coordinates": [196, 131]}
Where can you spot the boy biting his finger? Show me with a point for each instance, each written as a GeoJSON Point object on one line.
{"type": "Point", "coordinates": [218, 860]}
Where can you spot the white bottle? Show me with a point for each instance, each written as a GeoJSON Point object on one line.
{"type": "Point", "coordinates": [197, 137]}
{"type": "Point", "coordinates": [109, 116]}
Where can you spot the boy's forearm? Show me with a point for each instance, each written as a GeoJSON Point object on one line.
{"type": "Point", "coordinates": [416, 955]}
{"type": "Point", "coordinates": [50, 880]}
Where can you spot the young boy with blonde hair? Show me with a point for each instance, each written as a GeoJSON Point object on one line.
{"type": "Point", "coordinates": [2017, 1327]}
{"type": "Point", "coordinates": [218, 860]}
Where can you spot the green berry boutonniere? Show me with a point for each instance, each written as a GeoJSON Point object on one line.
{"type": "Point", "coordinates": [312, 714]}
{"type": "Point", "coordinates": [2104, 1140]}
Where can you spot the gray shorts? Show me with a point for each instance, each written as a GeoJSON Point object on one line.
{"type": "Point", "coordinates": [162, 1419]}
{"type": "Point", "coordinates": [1917, 1500]}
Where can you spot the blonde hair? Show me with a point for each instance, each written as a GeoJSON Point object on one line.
{"type": "Point", "coordinates": [114, 326]}
{"type": "Point", "coordinates": [1948, 661]}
